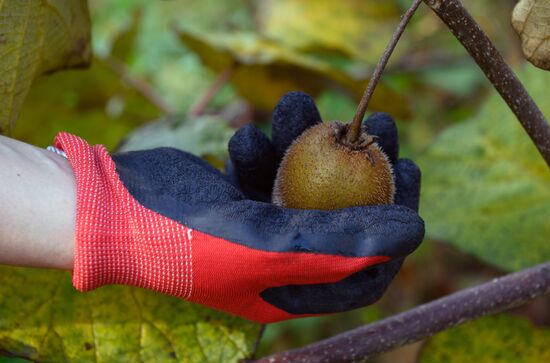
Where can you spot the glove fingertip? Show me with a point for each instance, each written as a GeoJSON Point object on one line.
{"type": "Point", "coordinates": [253, 158]}
{"type": "Point", "coordinates": [407, 183]}
{"type": "Point", "coordinates": [295, 112]}
{"type": "Point", "coordinates": [360, 289]}
{"type": "Point", "coordinates": [248, 145]}
{"type": "Point", "coordinates": [383, 125]}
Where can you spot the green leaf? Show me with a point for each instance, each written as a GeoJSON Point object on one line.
{"type": "Point", "coordinates": [203, 136]}
{"type": "Point", "coordinates": [485, 186]}
{"type": "Point", "coordinates": [44, 319]}
{"type": "Point", "coordinates": [94, 104]}
{"type": "Point", "coordinates": [13, 360]}
{"type": "Point", "coordinates": [38, 36]}
{"type": "Point", "coordinates": [333, 105]}
{"type": "Point", "coordinates": [156, 54]}
{"type": "Point", "coordinates": [266, 69]}
{"type": "Point", "coordinates": [494, 339]}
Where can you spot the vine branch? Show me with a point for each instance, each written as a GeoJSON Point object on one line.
{"type": "Point", "coordinates": [495, 296]}
{"type": "Point", "coordinates": [491, 62]}
{"type": "Point", "coordinates": [212, 91]}
{"type": "Point", "coordinates": [355, 126]}
{"type": "Point", "coordinates": [140, 85]}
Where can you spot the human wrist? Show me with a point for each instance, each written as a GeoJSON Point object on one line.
{"type": "Point", "coordinates": [38, 207]}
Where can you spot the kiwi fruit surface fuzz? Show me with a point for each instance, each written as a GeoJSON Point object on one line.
{"type": "Point", "coordinates": [321, 170]}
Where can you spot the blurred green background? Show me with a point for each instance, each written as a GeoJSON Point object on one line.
{"type": "Point", "coordinates": [485, 189]}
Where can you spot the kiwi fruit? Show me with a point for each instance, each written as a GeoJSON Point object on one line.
{"type": "Point", "coordinates": [323, 170]}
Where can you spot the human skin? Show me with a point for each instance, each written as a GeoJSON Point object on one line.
{"type": "Point", "coordinates": [37, 207]}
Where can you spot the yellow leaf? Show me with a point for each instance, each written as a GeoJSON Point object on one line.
{"type": "Point", "coordinates": [266, 69]}
{"type": "Point", "coordinates": [38, 36]}
{"type": "Point", "coordinates": [44, 319]}
{"type": "Point", "coordinates": [350, 26]}
{"type": "Point", "coordinates": [531, 20]}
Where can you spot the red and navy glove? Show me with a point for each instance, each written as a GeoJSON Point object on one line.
{"type": "Point", "coordinates": [166, 220]}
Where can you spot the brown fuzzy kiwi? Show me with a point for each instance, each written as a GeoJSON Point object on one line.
{"type": "Point", "coordinates": [321, 170]}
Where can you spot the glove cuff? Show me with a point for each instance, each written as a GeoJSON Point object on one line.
{"type": "Point", "coordinates": [118, 241]}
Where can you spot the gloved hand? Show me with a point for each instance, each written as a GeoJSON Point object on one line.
{"type": "Point", "coordinates": [166, 220]}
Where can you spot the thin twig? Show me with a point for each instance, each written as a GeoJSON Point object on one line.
{"type": "Point", "coordinates": [212, 91]}
{"type": "Point", "coordinates": [480, 47]}
{"type": "Point", "coordinates": [258, 341]}
{"type": "Point", "coordinates": [423, 321]}
{"type": "Point", "coordinates": [138, 84]}
{"type": "Point", "coordinates": [355, 126]}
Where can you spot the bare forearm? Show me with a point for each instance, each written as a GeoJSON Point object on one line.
{"type": "Point", "coordinates": [37, 207]}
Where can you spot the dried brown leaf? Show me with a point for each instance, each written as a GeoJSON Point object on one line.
{"type": "Point", "coordinates": [531, 20]}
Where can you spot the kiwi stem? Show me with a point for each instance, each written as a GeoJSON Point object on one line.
{"type": "Point", "coordinates": [212, 91]}
{"type": "Point", "coordinates": [355, 126]}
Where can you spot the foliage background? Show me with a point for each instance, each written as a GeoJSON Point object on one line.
{"type": "Point", "coordinates": [485, 189]}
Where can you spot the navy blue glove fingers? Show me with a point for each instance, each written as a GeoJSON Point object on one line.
{"type": "Point", "coordinates": [295, 112]}
{"type": "Point", "coordinates": [254, 159]}
{"type": "Point", "coordinates": [253, 162]}
{"type": "Point", "coordinates": [406, 173]}
{"type": "Point", "coordinates": [382, 125]}
{"type": "Point", "coordinates": [360, 289]}
{"type": "Point", "coordinates": [407, 183]}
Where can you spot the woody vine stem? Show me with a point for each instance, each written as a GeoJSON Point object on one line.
{"type": "Point", "coordinates": [490, 298]}
{"type": "Point", "coordinates": [482, 50]}
{"type": "Point", "coordinates": [425, 320]}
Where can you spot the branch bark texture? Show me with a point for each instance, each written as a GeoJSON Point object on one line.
{"type": "Point", "coordinates": [425, 320]}
{"type": "Point", "coordinates": [488, 58]}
